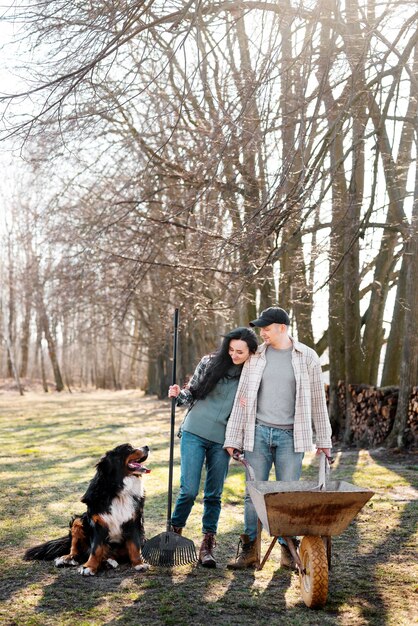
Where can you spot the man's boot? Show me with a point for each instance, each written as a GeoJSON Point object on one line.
{"type": "Point", "coordinates": [177, 530]}
{"type": "Point", "coordinates": [206, 557]}
{"type": "Point", "coordinates": [286, 557]}
{"type": "Point", "coordinates": [247, 557]}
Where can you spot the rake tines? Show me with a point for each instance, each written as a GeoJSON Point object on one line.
{"type": "Point", "coordinates": [168, 550]}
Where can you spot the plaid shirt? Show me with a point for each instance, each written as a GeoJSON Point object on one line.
{"type": "Point", "coordinates": [310, 405]}
{"type": "Point", "coordinates": [185, 396]}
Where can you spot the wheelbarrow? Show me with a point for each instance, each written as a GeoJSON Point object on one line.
{"type": "Point", "coordinates": [313, 511]}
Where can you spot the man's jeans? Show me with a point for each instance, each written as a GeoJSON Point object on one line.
{"type": "Point", "coordinates": [194, 450]}
{"type": "Point", "coordinates": [271, 445]}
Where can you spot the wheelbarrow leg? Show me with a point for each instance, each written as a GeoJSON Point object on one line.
{"type": "Point", "coordinates": [259, 565]}
{"type": "Point", "coordinates": [293, 552]}
{"type": "Point", "coordinates": [258, 544]}
{"type": "Point", "coordinates": [327, 541]}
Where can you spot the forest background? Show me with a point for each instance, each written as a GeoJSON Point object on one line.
{"type": "Point", "coordinates": [219, 157]}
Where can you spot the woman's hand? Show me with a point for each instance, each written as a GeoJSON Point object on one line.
{"type": "Point", "coordinates": [173, 391]}
{"type": "Point", "coordinates": [231, 451]}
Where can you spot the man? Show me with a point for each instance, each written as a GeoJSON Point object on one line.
{"type": "Point", "coordinates": [280, 394]}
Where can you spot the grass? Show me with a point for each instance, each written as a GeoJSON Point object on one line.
{"type": "Point", "coordinates": [50, 444]}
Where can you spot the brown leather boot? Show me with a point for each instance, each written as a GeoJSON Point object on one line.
{"type": "Point", "coordinates": [177, 530]}
{"type": "Point", "coordinates": [248, 555]}
{"type": "Point", "coordinates": [206, 557]}
{"type": "Point", "coordinates": [286, 557]}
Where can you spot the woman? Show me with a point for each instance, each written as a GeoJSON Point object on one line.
{"type": "Point", "coordinates": [210, 394]}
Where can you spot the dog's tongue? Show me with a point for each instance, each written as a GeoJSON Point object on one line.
{"type": "Point", "coordinates": [138, 467]}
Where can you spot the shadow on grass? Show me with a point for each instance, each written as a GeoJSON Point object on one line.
{"type": "Point", "coordinates": [204, 596]}
{"type": "Point", "coordinates": [403, 464]}
{"type": "Point", "coordinates": [72, 595]}
{"type": "Point", "coordinates": [354, 576]}
{"type": "Point", "coordinates": [193, 595]}
{"type": "Point", "coordinates": [18, 577]}
{"type": "Point", "coordinates": [162, 596]}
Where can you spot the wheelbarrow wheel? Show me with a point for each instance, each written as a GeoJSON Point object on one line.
{"type": "Point", "coordinates": [314, 575]}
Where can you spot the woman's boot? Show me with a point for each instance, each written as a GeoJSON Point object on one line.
{"type": "Point", "coordinates": [206, 557]}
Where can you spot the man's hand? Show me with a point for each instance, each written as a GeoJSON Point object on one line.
{"type": "Point", "coordinates": [231, 451]}
{"type": "Point", "coordinates": [327, 452]}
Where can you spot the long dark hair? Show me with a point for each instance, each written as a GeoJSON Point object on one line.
{"type": "Point", "coordinates": [221, 361]}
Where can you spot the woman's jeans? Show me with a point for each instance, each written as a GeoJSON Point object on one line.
{"type": "Point", "coordinates": [194, 451]}
{"type": "Point", "coordinates": [271, 445]}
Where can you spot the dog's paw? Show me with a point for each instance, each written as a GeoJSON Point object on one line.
{"type": "Point", "coordinates": [112, 563]}
{"type": "Point", "coordinates": [86, 571]}
{"type": "Point", "coordinates": [64, 561]}
{"type": "Point", "coordinates": [142, 567]}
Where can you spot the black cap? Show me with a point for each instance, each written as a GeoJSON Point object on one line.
{"type": "Point", "coordinates": [272, 315]}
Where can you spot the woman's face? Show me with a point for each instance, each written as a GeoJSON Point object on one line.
{"type": "Point", "coordinates": [238, 351]}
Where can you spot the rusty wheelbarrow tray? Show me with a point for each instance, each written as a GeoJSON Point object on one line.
{"type": "Point", "coordinates": [309, 510]}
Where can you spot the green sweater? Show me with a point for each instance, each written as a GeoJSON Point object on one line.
{"type": "Point", "coordinates": [208, 417]}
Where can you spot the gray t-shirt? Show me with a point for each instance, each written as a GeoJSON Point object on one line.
{"type": "Point", "coordinates": [277, 392]}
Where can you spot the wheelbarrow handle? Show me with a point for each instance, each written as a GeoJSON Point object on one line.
{"type": "Point", "coordinates": [325, 463]}
{"type": "Point", "coordinates": [324, 468]}
{"type": "Point", "coordinates": [238, 456]}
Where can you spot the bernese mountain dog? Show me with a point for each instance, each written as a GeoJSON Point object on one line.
{"type": "Point", "coordinates": [112, 529]}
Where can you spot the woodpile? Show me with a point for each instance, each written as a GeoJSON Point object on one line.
{"type": "Point", "coordinates": [373, 411]}
{"type": "Point", "coordinates": [412, 424]}
{"type": "Point", "coordinates": [341, 396]}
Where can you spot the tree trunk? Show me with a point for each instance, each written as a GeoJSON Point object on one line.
{"type": "Point", "coordinates": [373, 335]}
{"type": "Point", "coordinates": [392, 363]}
{"type": "Point", "coordinates": [110, 360]}
{"type": "Point", "coordinates": [25, 337]}
{"type": "Point", "coordinates": [133, 359]}
{"type": "Point", "coordinates": [40, 352]}
{"type": "Point", "coordinates": [11, 310]}
{"type": "Point", "coordinates": [396, 176]}
{"type": "Point", "coordinates": [409, 358]}
{"type": "Point", "coordinates": [11, 359]}
{"type": "Point", "coordinates": [267, 295]}
{"type": "Point", "coordinates": [355, 47]}
{"type": "Point", "coordinates": [336, 244]}
{"type": "Point", "coordinates": [52, 351]}
{"type": "Point", "coordinates": [409, 355]}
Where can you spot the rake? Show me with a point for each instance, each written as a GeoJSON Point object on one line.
{"type": "Point", "coordinates": [168, 548]}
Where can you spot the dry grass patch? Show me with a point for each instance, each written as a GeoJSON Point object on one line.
{"type": "Point", "coordinates": [50, 444]}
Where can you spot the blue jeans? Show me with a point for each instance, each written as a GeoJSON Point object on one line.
{"type": "Point", "coordinates": [194, 452]}
{"type": "Point", "coordinates": [271, 445]}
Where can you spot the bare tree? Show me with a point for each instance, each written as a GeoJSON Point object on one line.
{"type": "Point", "coordinates": [218, 158]}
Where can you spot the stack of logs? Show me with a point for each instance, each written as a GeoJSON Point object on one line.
{"type": "Point", "coordinates": [373, 412]}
